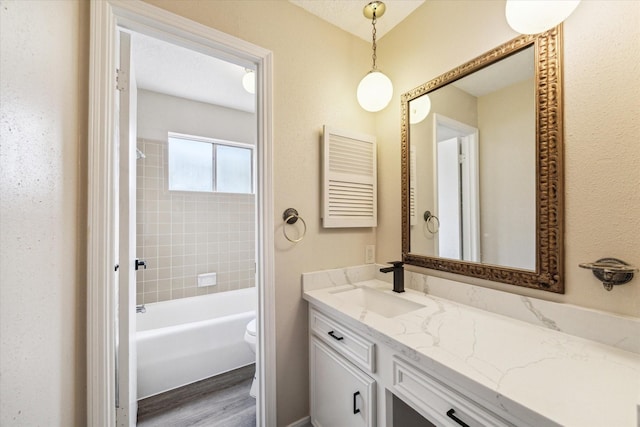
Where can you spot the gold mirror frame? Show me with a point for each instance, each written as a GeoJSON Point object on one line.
{"type": "Point", "coordinates": [548, 275]}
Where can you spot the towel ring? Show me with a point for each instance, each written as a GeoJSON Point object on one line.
{"type": "Point", "coordinates": [291, 216]}
{"type": "Point", "coordinates": [431, 220]}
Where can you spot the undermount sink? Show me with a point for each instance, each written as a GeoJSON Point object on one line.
{"type": "Point", "coordinates": [379, 302]}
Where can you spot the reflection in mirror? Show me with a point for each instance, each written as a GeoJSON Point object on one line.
{"type": "Point", "coordinates": [482, 170]}
{"type": "Point", "coordinates": [479, 136]}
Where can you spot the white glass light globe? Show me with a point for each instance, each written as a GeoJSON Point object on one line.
{"type": "Point", "coordinates": [249, 81]}
{"type": "Point", "coordinates": [419, 109]}
{"type": "Point", "coordinates": [374, 91]}
{"type": "Point", "coordinates": [537, 16]}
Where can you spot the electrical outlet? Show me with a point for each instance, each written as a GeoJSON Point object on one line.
{"type": "Point", "coordinates": [370, 254]}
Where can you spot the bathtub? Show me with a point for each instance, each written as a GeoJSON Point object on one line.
{"type": "Point", "coordinates": [189, 339]}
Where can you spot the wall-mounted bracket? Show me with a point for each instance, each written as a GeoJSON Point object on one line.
{"type": "Point", "coordinates": [611, 271]}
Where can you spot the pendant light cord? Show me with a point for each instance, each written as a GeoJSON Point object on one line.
{"type": "Point", "coordinates": [373, 34]}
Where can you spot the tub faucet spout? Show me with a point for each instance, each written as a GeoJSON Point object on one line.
{"type": "Point", "coordinates": [398, 275]}
{"type": "Point", "coordinates": [141, 309]}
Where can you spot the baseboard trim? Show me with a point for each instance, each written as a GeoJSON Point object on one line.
{"type": "Point", "coordinates": [302, 422]}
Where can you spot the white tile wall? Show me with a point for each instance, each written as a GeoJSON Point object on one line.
{"type": "Point", "coordinates": [183, 234]}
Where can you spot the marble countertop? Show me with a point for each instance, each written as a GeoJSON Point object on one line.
{"type": "Point", "coordinates": [522, 368]}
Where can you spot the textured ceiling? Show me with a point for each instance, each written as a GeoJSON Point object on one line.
{"type": "Point", "coordinates": [167, 68]}
{"type": "Point", "coordinates": [347, 14]}
{"type": "Point", "coordinates": [499, 75]}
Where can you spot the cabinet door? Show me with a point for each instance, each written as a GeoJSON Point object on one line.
{"type": "Point", "coordinates": [341, 394]}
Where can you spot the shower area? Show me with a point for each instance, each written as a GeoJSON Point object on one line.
{"type": "Point", "coordinates": [195, 215]}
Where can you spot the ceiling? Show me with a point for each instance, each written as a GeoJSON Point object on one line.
{"type": "Point", "coordinates": [347, 14]}
{"type": "Point", "coordinates": [174, 70]}
{"type": "Point", "coordinates": [499, 75]}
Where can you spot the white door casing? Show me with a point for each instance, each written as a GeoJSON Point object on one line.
{"type": "Point", "coordinates": [106, 18]}
{"type": "Point", "coordinates": [461, 196]}
{"type": "Point", "coordinates": [470, 188]}
{"type": "Point", "coordinates": [448, 195]}
{"type": "Point", "coordinates": [126, 399]}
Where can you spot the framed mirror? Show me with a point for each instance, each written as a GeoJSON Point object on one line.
{"type": "Point", "coordinates": [482, 179]}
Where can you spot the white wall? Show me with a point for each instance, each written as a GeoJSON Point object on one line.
{"type": "Point", "coordinates": [43, 104]}
{"type": "Point", "coordinates": [159, 113]}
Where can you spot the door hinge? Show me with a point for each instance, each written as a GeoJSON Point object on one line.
{"type": "Point", "coordinates": [122, 80]}
{"type": "Point", "coordinates": [462, 158]}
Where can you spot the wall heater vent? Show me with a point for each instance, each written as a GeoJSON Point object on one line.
{"type": "Point", "coordinates": [349, 193]}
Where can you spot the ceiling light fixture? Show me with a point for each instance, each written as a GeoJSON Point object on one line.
{"type": "Point", "coordinates": [375, 89]}
{"type": "Point", "coordinates": [249, 81]}
{"type": "Point", "coordinates": [537, 16]}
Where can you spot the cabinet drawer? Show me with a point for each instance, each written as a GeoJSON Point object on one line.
{"type": "Point", "coordinates": [346, 342]}
{"type": "Point", "coordinates": [436, 401]}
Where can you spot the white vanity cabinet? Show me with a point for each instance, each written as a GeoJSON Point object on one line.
{"type": "Point", "coordinates": [433, 361]}
{"type": "Point", "coordinates": [353, 380]}
{"type": "Point", "coordinates": [342, 391]}
{"type": "Point", "coordinates": [341, 394]}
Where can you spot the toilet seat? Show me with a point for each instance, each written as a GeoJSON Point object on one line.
{"type": "Point", "coordinates": [251, 328]}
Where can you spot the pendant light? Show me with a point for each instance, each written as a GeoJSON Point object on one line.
{"type": "Point", "coordinates": [419, 109]}
{"type": "Point", "coordinates": [249, 81]}
{"type": "Point", "coordinates": [537, 16]}
{"type": "Point", "coordinates": [375, 89]}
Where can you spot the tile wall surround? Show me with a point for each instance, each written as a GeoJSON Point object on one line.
{"type": "Point", "coordinates": [183, 234]}
{"type": "Point", "coordinates": [610, 329]}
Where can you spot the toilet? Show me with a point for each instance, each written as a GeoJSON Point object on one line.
{"type": "Point", "coordinates": [250, 339]}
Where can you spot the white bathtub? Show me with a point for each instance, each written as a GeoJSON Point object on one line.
{"type": "Point", "coordinates": [189, 339]}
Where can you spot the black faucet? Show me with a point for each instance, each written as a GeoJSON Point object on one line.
{"type": "Point", "coordinates": [398, 275]}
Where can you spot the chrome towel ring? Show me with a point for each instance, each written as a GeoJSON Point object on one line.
{"type": "Point", "coordinates": [291, 216]}
{"type": "Point", "coordinates": [432, 222]}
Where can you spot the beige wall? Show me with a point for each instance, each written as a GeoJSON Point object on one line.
{"type": "Point", "coordinates": [44, 76]}
{"type": "Point", "coordinates": [43, 129]}
{"type": "Point", "coordinates": [601, 100]}
{"type": "Point", "coordinates": [506, 121]}
{"type": "Point", "coordinates": [452, 103]}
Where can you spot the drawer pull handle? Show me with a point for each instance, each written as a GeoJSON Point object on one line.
{"type": "Point", "coordinates": [450, 413]}
{"type": "Point", "coordinates": [334, 336]}
{"type": "Point", "coordinates": [356, 410]}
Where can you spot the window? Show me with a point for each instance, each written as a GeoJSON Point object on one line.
{"type": "Point", "coordinates": [209, 165]}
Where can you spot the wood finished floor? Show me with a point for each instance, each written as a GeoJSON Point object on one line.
{"type": "Point", "coordinates": [221, 401]}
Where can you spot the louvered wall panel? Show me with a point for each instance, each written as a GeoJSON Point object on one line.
{"type": "Point", "coordinates": [349, 179]}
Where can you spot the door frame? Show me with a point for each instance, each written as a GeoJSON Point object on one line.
{"type": "Point", "coordinates": [470, 182]}
{"type": "Point", "coordinates": [106, 17]}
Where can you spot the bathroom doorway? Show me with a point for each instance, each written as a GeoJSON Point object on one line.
{"type": "Point", "coordinates": [248, 207]}
{"type": "Point", "coordinates": [195, 228]}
